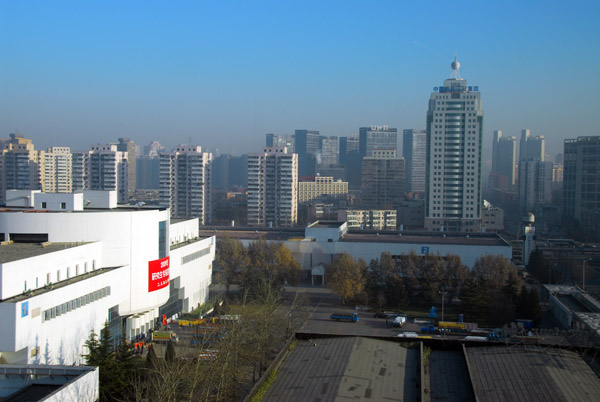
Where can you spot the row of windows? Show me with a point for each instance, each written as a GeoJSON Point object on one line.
{"type": "Point", "coordinates": [195, 255]}
{"type": "Point", "coordinates": [71, 305]}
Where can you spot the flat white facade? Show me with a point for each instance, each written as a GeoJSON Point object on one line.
{"type": "Point", "coordinates": [454, 140]}
{"type": "Point", "coordinates": [273, 188]}
{"type": "Point", "coordinates": [119, 265]}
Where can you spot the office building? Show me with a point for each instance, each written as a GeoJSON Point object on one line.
{"type": "Point", "coordinates": [147, 172]}
{"type": "Point", "coordinates": [310, 190]}
{"type": "Point", "coordinates": [58, 170]}
{"type": "Point", "coordinates": [307, 146]}
{"type": "Point", "coordinates": [376, 137]}
{"type": "Point", "coordinates": [66, 272]}
{"type": "Point", "coordinates": [127, 145]}
{"type": "Point", "coordinates": [535, 184]}
{"type": "Point", "coordinates": [414, 151]}
{"type": "Point", "coordinates": [278, 141]}
{"type": "Point", "coordinates": [108, 170]}
{"type": "Point", "coordinates": [185, 182]}
{"type": "Point", "coordinates": [153, 149]}
{"type": "Point", "coordinates": [532, 147]}
{"type": "Point", "coordinates": [350, 160]}
{"type": "Point", "coordinates": [504, 150]}
{"type": "Point", "coordinates": [21, 165]}
{"type": "Point", "coordinates": [454, 138]}
{"type": "Point", "coordinates": [329, 155]}
{"type": "Point", "coordinates": [273, 188]}
{"type": "Point", "coordinates": [581, 181]}
{"type": "Point", "coordinates": [382, 179]}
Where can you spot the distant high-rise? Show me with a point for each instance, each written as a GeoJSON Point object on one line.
{"type": "Point", "coordinates": [58, 170]}
{"type": "Point", "coordinates": [21, 165]}
{"type": "Point", "coordinates": [531, 147]}
{"type": "Point", "coordinates": [382, 179]}
{"type": "Point", "coordinates": [454, 138]}
{"type": "Point", "coordinates": [329, 155]}
{"type": "Point", "coordinates": [185, 182]}
{"type": "Point", "coordinates": [350, 160]}
{"type": "Point", "coordinates": [148, 172]}
{"type": "Point", "coordinates": [307, 146]}
{"type": "Point", "coordinates": [504, 151]}
{"type": "Point", "coordinates": [535, 184]}
{"type": "Point", "coordinates": [376, 137]}
{"type": "Point", "coordinates": [108, 170]}
{"type": "Point", "coordinates": [277, 140]}
{"type": "Point", "coordinates": [414, 151]}
{"type": "Point", "coordinates": [80, 168]}
{"type": "Point", "coordinates": [273, 188]}
{"type": "Point", "coordinates": [127, 145]}
{"type": "Point", "coordinates": [581, 182]}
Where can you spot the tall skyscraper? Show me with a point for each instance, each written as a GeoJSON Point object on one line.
{"type": "Point", "coordinates": [58, 170]}
{"type": "Point", "coordinates": [147, 172]}
{"type": "Point", "coordinates": [414, 151]}
{"type": "Point", "coordinates": [581, 182]}
{"type": "Point", "coordinates": [273, 188]}
{"type": "Point", "coordinates": [350, 160]}
{"type": "Point", "coordinates": [454, 137]}
{"type": "Point", "coordinates": [329, 155]}
{"type": "Point", "coordinates": [504, 151]}
{"type": "Point", "coordinates": [108, 170]}
{"type": "Point", "coordinates": [277, 140]}
{"type": "Point", "coordinates": [185, 182]}
{"type": "Point", "coordinates": [127, 145]}
{"type": "Point", "coordinates": [382, 179]}
{"type": "Point", "coordinates": [307, 146]}
{"type": "Point", "coordinates": [80, 170]}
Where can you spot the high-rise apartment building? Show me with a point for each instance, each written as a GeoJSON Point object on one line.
{"type": "Point", "coordinates": [58, 172]}
{"type": "Point", "coordinates": [382, 179]}
{"type": "Point", "coordinates": [307, 146]}
{"type": "Point", "coordinates": [273, 188]}
{"type": "Point", "coordinates": [80, 170]}
{"type": "Point", "coordinates": [504, 151]}
{"type": "Point", "coordinates": [454, 138]}
{"type": "Point", "coordinates": [185, 182]}
{"type": "Point", "coordinates": [309, 190]}
{"type": "Point", "coordinates": [535, 184]}
{"type": "Point", "coordinates": [108, 170]}
{"type": "Point", "coordinates": [414, 151]}
{"type": "Point", "coordinates": [581, 182]}
{"type": "Point", "coordinates": [127, 145]}
{"type": "Point", "coordinates": [20, 165]}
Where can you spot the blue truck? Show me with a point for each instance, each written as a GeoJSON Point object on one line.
{"type": "Point", "coordinates": [344, 317]}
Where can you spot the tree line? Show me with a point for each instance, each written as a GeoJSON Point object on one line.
{"type": "Point", "coordinates": [490, 292]}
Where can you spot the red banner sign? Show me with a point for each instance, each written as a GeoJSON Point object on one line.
{"type": "Point", "coordinates": [158, 274]}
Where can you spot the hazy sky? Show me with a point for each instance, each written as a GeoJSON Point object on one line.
{"type": "Point", "coordinates": [224, 73]}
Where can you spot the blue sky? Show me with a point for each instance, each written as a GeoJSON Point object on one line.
{"type": "Point", "coordinates": [225, 73]}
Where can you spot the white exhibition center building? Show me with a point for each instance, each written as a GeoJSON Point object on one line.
{"type": "Point", "coordinates": [65, 270]}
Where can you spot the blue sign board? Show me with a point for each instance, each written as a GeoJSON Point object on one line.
{"type": "Point", "coordinates": [25, 309]}
{"type": "Point", "coordinates": [425, 250]}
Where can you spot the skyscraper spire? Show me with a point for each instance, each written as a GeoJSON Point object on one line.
{"type": "Point", "coordinates": [455, 67]}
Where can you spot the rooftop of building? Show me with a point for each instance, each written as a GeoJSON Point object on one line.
{"type": "Point", "coordinates": [19, 251]}
{"type": "Point", "coordinates": [326, 224]}
{"type": "Point", "coordinates": [120, 208]}
{"type": "Point", "coordinates": [394, 236]}
{"type": "Point", "coordinates": [58, 285]}
{"type": "Point", "coordinates": [188, 241]}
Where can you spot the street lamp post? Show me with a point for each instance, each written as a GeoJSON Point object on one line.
{"type": "Point", "coordinates": [443, 293]}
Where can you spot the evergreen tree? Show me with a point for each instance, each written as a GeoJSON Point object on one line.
{"type": "Point", "coordinates": [535, 310]}
{"type": "Point", "coordinates": [523, 304]}
{"type": "Point", "coordinates": [151, 359]}
{"type": "Point", "coordinates": [170, 353]}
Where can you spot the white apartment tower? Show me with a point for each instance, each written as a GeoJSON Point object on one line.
{"type": "Point", "coordinates": [185, 182]}
{"type": "Point", "coordinates": [58, 171]}
{"type": "Point", "coordinates": [108, 170]}
{"type": "Point", "coordinates": [273, 188]}
{"type": "Point", "coordinates": [454, 137]}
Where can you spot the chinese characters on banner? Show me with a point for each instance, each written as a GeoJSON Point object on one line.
{"type": "Point", "coordinates": [158, 274]}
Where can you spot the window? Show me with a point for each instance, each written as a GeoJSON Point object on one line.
{"type": "Point", "coordinates": [43, 205]}
{"type": "Point", "coordinates": [85, 267]}
{"type": "Point", "coordinates": [77, 269]}
{"type": "Point", "coordinates": [48, 278]}
{"type": "Point", "coordinates": [93, 264]}
{"type": "Point", "coordinates": [58, 276]}
{"type": "Point", "coordinates": [63, 205]}
{"type": "Point", "coordinates": [68, 272]}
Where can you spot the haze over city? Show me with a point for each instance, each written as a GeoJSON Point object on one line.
{"type": "Point", "coordinates": [224, 74]}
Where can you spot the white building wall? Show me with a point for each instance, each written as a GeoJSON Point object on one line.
{"type": "Point", "coordinates": [182, 231]}
{"type": "Point", "coordinates": [59, 339]}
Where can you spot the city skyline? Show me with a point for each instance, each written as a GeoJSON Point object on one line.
{"type": "Point", "coordinates": [224, 75]}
